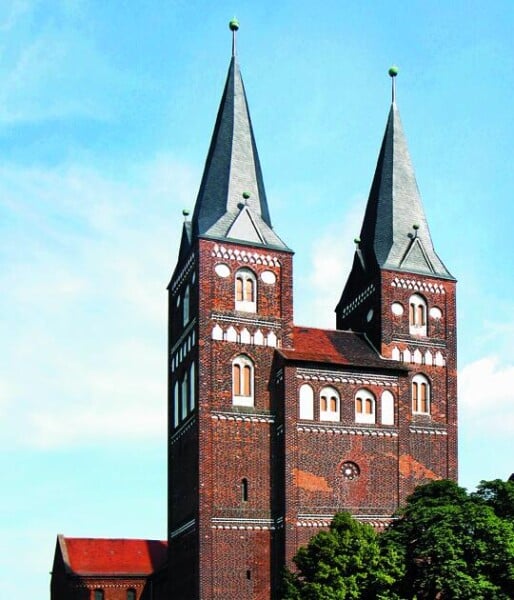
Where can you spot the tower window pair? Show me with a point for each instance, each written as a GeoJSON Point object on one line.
{"type": "Point", "coordinates": [242, 381]}
{"type": "Point", "coordinates": [246, 290]}
{"type": "Point", "coordinates": [417, 315]}
{"type": "Point", "coordinates": [420, 394]}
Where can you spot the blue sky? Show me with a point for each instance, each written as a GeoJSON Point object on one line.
{"type": "Point", "coordinates": [106, 112]}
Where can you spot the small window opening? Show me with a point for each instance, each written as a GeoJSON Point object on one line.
{"type": "Point", "coordinates": [244, 489]}
{"type": "Point", "coordinates": [248, 574]}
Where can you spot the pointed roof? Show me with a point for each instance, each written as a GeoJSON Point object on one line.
{"type": "Point", "coordinates": [231, 203]}
{"type": "Point", "coordinates": [395, 231]}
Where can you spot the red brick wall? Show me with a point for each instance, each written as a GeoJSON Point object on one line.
{"type": "Point", "coordinates": [226, 451]}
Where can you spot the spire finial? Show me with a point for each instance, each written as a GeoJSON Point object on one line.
{"type": "Point", "coordinates": [233, 26]}
{"type": "Point", "coordinates": [393, 72]}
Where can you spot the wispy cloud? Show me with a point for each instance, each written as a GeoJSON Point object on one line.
{"type": "Point", "coordinates": [84, 264]}
{"type": "Point", "coordinates": [52, 66]}
{"type": "Point", "coordinates": [486, 397]}
{"type": "Point", "coordinates": [331, 257]}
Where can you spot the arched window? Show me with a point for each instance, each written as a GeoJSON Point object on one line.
{"type": "Point", "coordinates": [387, 406]}
{"type": "Point", "coordinates": [185, 390]}
{"type": "Point", "coordinates": [329, 404]}
{"type": "Point", "coordinates": [246, 290]}
{"type": "Point", "coordinates": [417, 315]}
{"type": "Point", "coordinates": [185, 307]}
{"type": "Point", "coordinates": [176, 408]}
{"type": "Point", "coordinates": [420, 394]}
{"type": "Point", "coordinates": [306, 402]}
{"type": "Point", "coordinates": [131, 594]}
{"type": "Point", "coordinates": [365, 407]}
{"type": "Point", "coordinates": [192, 388]}
{"type": "Point", "coordinates": [99, 594]}
{"type": "Point", "coordinates": [242, 381]}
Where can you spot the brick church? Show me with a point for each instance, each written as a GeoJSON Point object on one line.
{"type": "Point", "coordinates": [274, 427]}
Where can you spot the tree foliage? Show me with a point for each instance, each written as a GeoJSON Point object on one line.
{"type": "Point", "coordinates": [453, 546]}
{"type": "Point", "coordinates": [344, 562]}
{"type": "Point", "coordinates": [445, 544]}
{"type": "Point", "coordinates": [499, 495]}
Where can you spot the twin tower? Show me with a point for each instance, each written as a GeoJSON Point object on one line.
{"type": "Point", "coordinates": [273, 428]}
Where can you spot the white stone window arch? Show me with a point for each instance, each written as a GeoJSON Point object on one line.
{"type": "Point", "coordinates": [417, 315]}
{"type": "Point", "coordinates": [272, 339]}
{"type": "Point", "coordinates": [421, 394]}
{"type": "Point", "coordinates": [242, 381]}
{"type": "Point", "coordinates": [217, 332]}
{"type": "Point", "coordinates": [231, 334]}
{"type": "Point", "coordinates": [365, 407]}
{"type": "Point", "coordinates": [329, 404]}
{"type": "Point", "coordinates": [245, 288]}
{"type": "Point", "coordinates": [387, 407]}
{"type": "Point", "coordinates": [245, 337]}
{"type": "Point", "coordinates": [306, 402]}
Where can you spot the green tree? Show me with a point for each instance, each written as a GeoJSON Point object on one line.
{"type": "Point", "coordinates": [499, 495]}
{"type": "Point", "coordinates": [453, 546]}
{"type": "Point", "coordinates": [345, 562]}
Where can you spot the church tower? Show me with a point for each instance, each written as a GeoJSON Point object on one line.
{"type": "Point", "coordinates": [402, 297]}
{"type": "Point", "coordinates": [230, 307]}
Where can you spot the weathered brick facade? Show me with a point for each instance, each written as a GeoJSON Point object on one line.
{"type": "Point", "coordinates": [349, 419]}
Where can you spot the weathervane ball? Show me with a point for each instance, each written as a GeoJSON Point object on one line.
{"type": "Point", "coordinates": [393, 71]}
{"type": "Point", "coordinates": [246, 195]}
{"type": "Point", "coordinates": [185, 212]}
{"type": "Point", "coordinates": [234, 25]}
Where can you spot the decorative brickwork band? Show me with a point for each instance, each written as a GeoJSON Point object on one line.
{"type": "Point", "coordinates": [247, 524]}
{"type": "Point", "coordinates": [188, 267]}
{"type": "Point", "coordinates": [244, 418]}
{"type": "Point", "coordinates": [252, 258]}
{"type": "Point", "coordinates": [347, 377]}
{"type": "Point", "coordinates": [367, 431]}
{"type": "Point", "coordinates": [418, 286]}
{"type": "Point", "coordinates": [349, 308]}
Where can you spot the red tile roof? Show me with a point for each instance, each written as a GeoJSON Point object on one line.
{"type": "Point", "coordinates": [88, 556]}
{"type": "Point", "coordinates": [335, 347]}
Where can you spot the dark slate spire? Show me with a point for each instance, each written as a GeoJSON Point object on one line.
{"type": "Point", "coordinates": [395, 231]}
{"type": "Point", "coordinates": [231, 203]}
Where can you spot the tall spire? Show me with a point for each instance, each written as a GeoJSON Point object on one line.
{"type": "Point", "coordinates": [395, 232]}
{"type": "Point", "coordinates": [231, 203]}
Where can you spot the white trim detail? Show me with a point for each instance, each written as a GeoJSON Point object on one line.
{"type": "Point", "coordinates": [349, 308]}
{"type": "Point", "coordinates": [418, 286]}
{"type": "Point", "coordinates": [253, 258]}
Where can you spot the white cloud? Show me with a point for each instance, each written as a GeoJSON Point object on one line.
{"type": "Point", "coordinates": [331, 260]}
{"type": "Point", "coordinates": [84, 264]}
{"type": "Point", "coordinates": [486, 397]}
